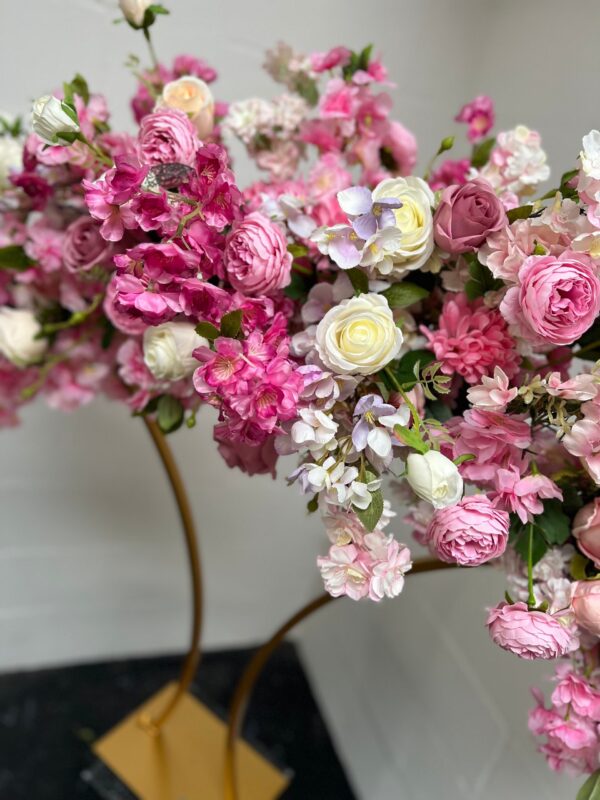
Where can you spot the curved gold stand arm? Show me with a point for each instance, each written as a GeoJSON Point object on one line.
{"type": "Point", "coordinates": [192, 658]}
{"type": "Point", "coordinates": [245, 685]}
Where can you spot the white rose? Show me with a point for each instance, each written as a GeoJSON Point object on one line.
{"type": "Point", "coordinates": [414, 220]}
{"type": "Point", "coordinates": [49, 120]}
{"type": "Point", "coordinates": [359, 336]}
{"type": "Point", "coordinates": [434, 478]}
{"type": "Point", "coordinates": [18, 329]}
{"type": "Point", "coordinates": [134, 11]}
{"type": "Point", "coordinates": [590, 155]}
{"type": "Point", "coordinates": [192, 96]}
{"type": "Point", "coordinates": [168, 350]}
{"type": "Point", "coordinates": [11, 158]}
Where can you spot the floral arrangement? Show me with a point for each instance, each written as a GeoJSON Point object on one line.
{"type": "Point", "coordinates": [435, 337]}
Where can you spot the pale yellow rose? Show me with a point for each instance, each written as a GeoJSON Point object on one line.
{"type": "Point", "coordinates": [358, 336]}
{"type": "Point", "coordinates": [192, 96]}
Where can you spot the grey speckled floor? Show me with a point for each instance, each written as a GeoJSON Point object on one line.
{"type": "Point", "coordinates": [48, 719]}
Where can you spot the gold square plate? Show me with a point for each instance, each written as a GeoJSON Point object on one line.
{"type": "Point", "coordinates": [186, 761]}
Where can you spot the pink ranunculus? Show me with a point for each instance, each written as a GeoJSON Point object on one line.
{"type": "Point", "coordinates": [468, 533]}
{"type": "Point", "coordinates": [479, 115]}
{"type": "Point", "coordinates": [167, 137]}
{"type": "Point", "coordinates": [83, 245]}
{"type": "Point", "coordinates": [531, 634]}
{"type": "Point", "coordinates": [585, 602]}
{"type": "Point", "coordinates": [557, 300]}
{"type": "Point", "coordinates": [466, 216]}
{"type": "Point", "coordinates": [586, 529]}
{"type": "Point", "coordinates": [257, 259]}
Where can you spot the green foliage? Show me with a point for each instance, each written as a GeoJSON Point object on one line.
{"type": "Point", "coordinates": [481, 152]}
{"type": "Point", "coordinates": [297, 288]}
{"type": "Point", "coordinates": [208, 330]}
{"type": "Point", "coordinates": [231, 324]}
{"type": "Point", "coordinates": [553, 523]}
{"type": "Point", "coordinates": [521, 212]}
{"type": "Point", "coordinates": [169, 413]}
{"type": "Point", "coordinates": [358, 61]}
{"type": "Point", "coordinates": [591, 788]}
{"type": "Point", "coordinates": [313, 504]}
{"type": "Point", "coordinates": [521, 544]}
{"type": "Point", "coordinates": [371, 515]}
{"type": "Point", "coordinates": [14, 257]}
{"type": "Point", "coordinates": [406, 371]}
{"type": "Point", "coordinates": [359, 280]}
{"type": "Point", "coordinates": [297, 250]}
{"type": "Point", "coordinates": [412, 438]}
{"type": "Point", "coordinates": [481, 280]}
{"type": "Point", "coordinates": [404, 294]}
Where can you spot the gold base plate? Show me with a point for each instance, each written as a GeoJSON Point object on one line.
{"type": "Point", "coordinates": [186, 760]}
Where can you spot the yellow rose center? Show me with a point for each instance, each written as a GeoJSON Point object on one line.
{"type": "Point", "coordinates": [359, 336]}
{"type": "Point", "coordinates": [409, 217]}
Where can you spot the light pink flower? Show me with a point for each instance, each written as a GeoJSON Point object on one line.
{"type": "Point", "coordinates": [530, 634]}
{"type": "Point", "coordinates": [257, 259]}
{"type": "Point", "coordinates": [401, 144]}
{"type": "Point", "coordinates": [575, 691]}
{"type": "Point", "coordinates": [167, 137]}
{"type": "Point", "coordinates": [557, 300]}
{"type": "Point", "coordinates": [523, 496]}
{"type": "Point", "coordinates": [84, 246]}
{"type": "Point", "coordinates": [583, 440]}
{"type": "Point", "coordinates": [493, 394]}
{"type": "Point", "coordinates": [450, 172]}
{"type": "Point", "coordinates": [479, 115]}
{"type": "Point", "coordinates": [345, 572]}
{"type": "Point", "coordinates": [582, 387]}
{"type": "Point", "coordinates": [339, 101]}
{"type": "Point", "coordinates": [387, 579]}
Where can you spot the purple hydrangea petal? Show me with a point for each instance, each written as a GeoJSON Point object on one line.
{"type": "Point", "coordinates": [365, 225]}
{"type": "Point", "coordinates": [355, 200]}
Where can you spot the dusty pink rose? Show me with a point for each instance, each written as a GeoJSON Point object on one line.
{"type": "Point", "coordinates": [586, 529]}
{"type": "Point", "coordinates": [167, 137]}
{"type": "Point", "coordinates": [466, 216]}
{"type": "Point", "coordinates": [83, 245]}
{"type": "Point", "coordinates": [558, 298]}
{"type": "Point", "coordinates": [257, 259]}
{"type": "Point", "coordinates": [530, 634]}
{"type": "Point", "coordinates": [468, 533]}
{"type": "Point", "coordinates": [585, 602]}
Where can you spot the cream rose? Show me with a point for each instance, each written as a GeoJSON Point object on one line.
{"type": "Point", "coordinates": [434, 478]}
{"type": "Point", "coordinates": [18, 329]}
{"type": "Point", "coordinates": [192, 96]}
{"type": "Point", "coordinates": [414, 220]}
{"type": "Point", "coordinates": [359, 336]}
{"type": "Point", "coordinates": [168, 350]}
{"type": "Point", "coordinates": [49, 120]}
{"type": "Point", "coordinates": [134, 11]}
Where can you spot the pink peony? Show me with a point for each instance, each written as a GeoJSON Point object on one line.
{"type": "Point", "coordinates": [83, 245]}
{"type": "Point", "coordinates": [585, 602]}
{"type": "Point", "coordinates": [257, 259]}
{"type": "Point", "coordinates": [466, 216]}
{"type": "Point", "coordinates": [523, 496]}
{"type": "Point", "coordinates": [557, 300]}
{"type": "Point", "coordinates": [479, 115]}
{"type": "Point", "coordinates": [586, 529]}
{"type": "Point", "coordinates": [472, 340]}
{"type": "Point", "coordinates": [468, 533]}
{"type": "Point", "coordinates": [530, 634]}
{"type": "Point", "coordinates": [167, 137]}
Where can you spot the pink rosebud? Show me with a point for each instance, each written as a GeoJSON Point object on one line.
{"type": "Point", "coordinates": [586, 529]}
{"type": "Point", "coordinates": [83, 245]}
{"type": "Point", "coordinates": [530, 634]}
{"type": "Point", "coordinates": [257, 259]}
{"type": "Point", "coordinates": [167, 137]}
{"type": "Point", "coordinates": [466, 216]}
{"type": "Point", "coordinates": [468, 533]}
{"type": "Point", "coordinates": [585, 602]}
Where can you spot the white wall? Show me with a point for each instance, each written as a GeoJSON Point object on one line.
{"type": "Point", "coordinates": [91, 563]}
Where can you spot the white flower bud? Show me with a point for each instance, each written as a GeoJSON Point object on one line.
{"type": "Point", "coordinates": [134, 11]}
{"type": "Point", "coordinates": [168, 350]}
{"type": "Point", "coordinates": [49, 120]}
{"type": "Point", "coordinates": [434, 478]}
{"type": "Point", "coordinates": [18, 329]}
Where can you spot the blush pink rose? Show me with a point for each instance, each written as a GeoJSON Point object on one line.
{"type": "Point", "coordinates": [167, 137]}
{"type": "Point", "coordinates": [557, 300]}
{"type": "Point", "coordinates": [466, 216]}
{"type": "Point", "coordinates": [530, 634]}
{"type": "Point", "coordinates": [586, 529]}
{"type": "Point", "coordinates": [83, 245]}
{"type": "Point", "coordinates": [468, 533]}
{"type": "Point", "coordinates": [585, 602]}
{"type": "Point", "coordinates": [256, 256]}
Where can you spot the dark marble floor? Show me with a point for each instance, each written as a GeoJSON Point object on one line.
{"type": "Point", "coordinates": [49, 718]}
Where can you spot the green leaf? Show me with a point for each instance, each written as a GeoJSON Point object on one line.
{"type": "Point", "coordinates": [231, 323]}
{"type": "Point", "coordinates": [371, 515]}
{"type": "Point", "coordinates": [313, 504]}
{"type": "Point", "coordinates": [359, 280]}
{"type": "Point", "coordinates": [481, 281]}
{"type": "Point", "coordinates": [481, 153]}
{"type": "Point", "coordinates": [307, 88]}
{"type": "Point", "coordinates": [297, 250]}
{"type": "Point", "coordinates": [71, 112]}
{"type": "Point", "coordinates": [521, 212]}
{"type": "Point", "coordinates": [169, 413]}
{"type": "Point", "coordinates": [80, 87]}
{"type": "Point", "coordinates": [465, 457]}
{"type": "Point", "coordinates": [591, 788]}
{"type": "Point", "coordinates": [364, 57]}
{"type": "Point", "coordinates": [156, 8]}
{"type": "Point", "coordinates": [296, 289]}
{"type": "Point", "coordinates": [208, 330]}
{"type": "Point", "coordinates": [404, 294]}
{"type": "Point", "coordinates": [553, 523]}
{"type": "Point", "coordinates": [521, 544]}
{"type": "Point", "coordinates": [578, 566]}
{"type": "Point", "coordinates": [412, 438]}
{"type": "Point", "coordinates": [405, 368]}
{"type": "Point", "coordinates": [14, 257]}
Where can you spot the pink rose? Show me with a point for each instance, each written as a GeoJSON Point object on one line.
{"type": "Point", "coordinates": [586, 529]}
{"type": "Point", "coordinates": [468, 533]}
{"type": "Point", "coordinates": [83, 245]}
{"type": "Point", "coordinates": [167, 137]}
{"type": "Point", "coordinates": [558, 298]}
{"type": "Point", "coordinates": [530, 634]}
{"type": "Point", "coordinates": [256, 255]}
{"type": "Point", "coordinates": [466, 216]}
{"type": "Point", "coordinates": [585, 602]}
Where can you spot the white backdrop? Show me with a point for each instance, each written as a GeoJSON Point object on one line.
{"type": "Point", "coordinates": [91, 562]}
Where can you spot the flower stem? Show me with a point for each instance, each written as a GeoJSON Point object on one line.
{"type": "Point", "coordinates": [398, 387]}
{"type": "Point", "coordinates": [151, 49]}
{"type": "Point", "coordinates": [531, 598]}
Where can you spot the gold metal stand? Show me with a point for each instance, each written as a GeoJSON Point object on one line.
{"type": "Point", "coordinates": [173, 747]}
{"type": "Point", "coordinates": [234, 789]}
